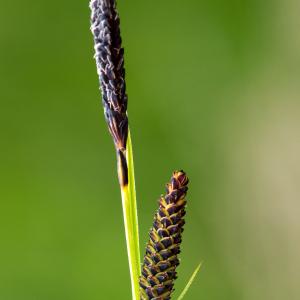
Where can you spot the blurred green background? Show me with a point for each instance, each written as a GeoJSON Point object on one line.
{"type": "Point", "coordinates": [213, 88]}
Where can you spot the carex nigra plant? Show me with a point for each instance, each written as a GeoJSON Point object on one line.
{"type": "Point", "coordinates": [156, 280]}
{"type": "Point", "coordinates": [109, 55]}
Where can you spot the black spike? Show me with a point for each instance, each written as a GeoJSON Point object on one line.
{"type": "Point", "coordinates": [109, 55]}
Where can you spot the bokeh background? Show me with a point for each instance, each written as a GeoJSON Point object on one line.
{"type": "Point", "coordinates": [214, 88]}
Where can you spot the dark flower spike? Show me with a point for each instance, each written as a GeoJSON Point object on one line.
{"type": "Point", "coordinates": [109, 55]}
{"type": "Point", "coordinates": [160, 261]}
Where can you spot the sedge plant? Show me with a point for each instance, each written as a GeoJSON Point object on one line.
{"type": "Point", "coordinates": [156, 279]}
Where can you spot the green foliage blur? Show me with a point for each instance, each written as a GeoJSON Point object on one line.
{"type": "Point", "coordinates": [213, 89]}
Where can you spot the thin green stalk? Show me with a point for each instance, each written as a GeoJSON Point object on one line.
{"type": "Point", "coordinates": [131, 223]}
{"type": "Point", "coordinates": [191, 280]}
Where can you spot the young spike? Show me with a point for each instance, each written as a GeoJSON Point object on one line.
{"type": "Point", "coordinates": [160, 261]}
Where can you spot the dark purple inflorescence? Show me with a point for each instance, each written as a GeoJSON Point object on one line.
{"type": "Point", "coordinates": [109, 56]}
{"type": "Point", "coordinates": [160, 261]}
{"type": "Point", "coordinates": [110, 67]}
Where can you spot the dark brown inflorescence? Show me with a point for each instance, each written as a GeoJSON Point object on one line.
{"type": "Point", "coordinates": [105, 26]}
{"type": "Point", "coordinates": [160, 261]}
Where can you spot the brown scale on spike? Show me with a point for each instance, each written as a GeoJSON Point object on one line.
{"type": "Point", "coordinates": [160, 261]}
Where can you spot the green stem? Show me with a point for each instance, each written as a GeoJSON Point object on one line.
{"type": "Point", "coordinates": [188, 285]}
{"type": "Point", "coordinates": [131, 223]}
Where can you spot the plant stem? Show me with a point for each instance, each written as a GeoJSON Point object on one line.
{"type": "Point", "coordinates": [191, 280]}
{"type": "Point", "coordinates": [131, 223]}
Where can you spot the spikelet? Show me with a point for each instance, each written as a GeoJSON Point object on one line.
{"type": "Point", "coordinates": [109, 55]}
{"type": "Point", "coordinates": [160, 261]}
